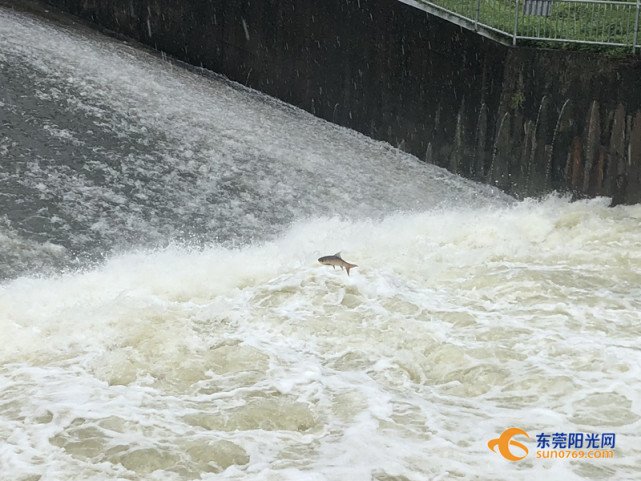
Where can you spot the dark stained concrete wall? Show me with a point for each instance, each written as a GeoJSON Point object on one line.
{"type": "Point", "coordinates": [528, 121]}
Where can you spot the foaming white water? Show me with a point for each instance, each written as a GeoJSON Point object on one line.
{"type": "Point", "coordinates": [259, 363]}
{"type": "Point", "coordinates": [143, 152]}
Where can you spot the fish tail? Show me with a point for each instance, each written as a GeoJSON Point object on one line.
{"type": "Point", "coordinates": [349, 266]}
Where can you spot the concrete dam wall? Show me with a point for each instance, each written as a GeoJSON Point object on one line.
{"type": "Point", "coordinates": [527, 121]}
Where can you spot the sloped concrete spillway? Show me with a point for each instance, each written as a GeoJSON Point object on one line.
{"type": "Point", "coordinates": [527, 121]}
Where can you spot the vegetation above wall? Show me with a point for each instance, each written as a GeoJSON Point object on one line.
{"type": "Point", "coordinates": [610, 27]}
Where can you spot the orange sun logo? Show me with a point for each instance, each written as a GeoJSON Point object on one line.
{"type": "Point", "coordinates": [504, 441]}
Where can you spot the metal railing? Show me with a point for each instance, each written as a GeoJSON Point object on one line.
{"type": "Point", "coordinates": [600, 22]}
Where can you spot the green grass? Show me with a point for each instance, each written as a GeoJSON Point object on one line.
{"type": "Point", "coordinates": [576, 24]}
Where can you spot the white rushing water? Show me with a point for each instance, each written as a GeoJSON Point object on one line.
{"type": "Point", "coordinates": [239, 356]}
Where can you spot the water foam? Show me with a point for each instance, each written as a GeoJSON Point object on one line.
{"type": "Point", "coordinates": [260, 362]}
{"type": "Point", "coordinates": [120, 149]}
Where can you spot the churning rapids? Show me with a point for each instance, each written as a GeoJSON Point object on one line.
{"type": "Point", "coordinates": [163, 316]}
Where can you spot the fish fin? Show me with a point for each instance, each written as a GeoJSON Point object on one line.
{"type": "Point", "coordinates": [338, 254]}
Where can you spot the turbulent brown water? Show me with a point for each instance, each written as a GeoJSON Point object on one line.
{"type": "Point", "coordinates": [163, 315]}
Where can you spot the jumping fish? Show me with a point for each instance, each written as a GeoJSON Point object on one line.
{"type": "Point", "coordinates": [336, 260]}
